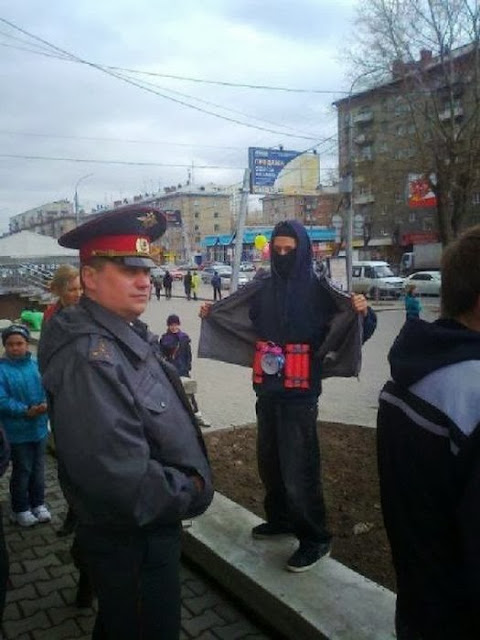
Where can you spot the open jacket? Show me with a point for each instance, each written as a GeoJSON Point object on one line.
{"type": "Point", "coordinates": [126, 437]}
{"type": "Point", "coordinates": [228, 334]}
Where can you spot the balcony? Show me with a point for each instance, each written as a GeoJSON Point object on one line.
{"type": "Point", "coordinates": [363, 139]}
{"type": "Point", "coordinates": [448, 114]}
{"type": "Point", "coordinates": [364, 198]}
{"type": "Point", "coordinates": [363, 117]}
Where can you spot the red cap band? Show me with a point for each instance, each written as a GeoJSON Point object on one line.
{"type": "Point", "coordinates": [116, 246]}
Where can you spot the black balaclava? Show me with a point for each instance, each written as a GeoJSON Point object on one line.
{"type": "Point", "coordinates": [284, 264]}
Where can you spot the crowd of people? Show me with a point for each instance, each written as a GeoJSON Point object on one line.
{"type": "Point", "coordinates": [132, 463]}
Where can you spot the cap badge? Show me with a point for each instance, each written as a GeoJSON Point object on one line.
{"type": "Point", "coordinates": [142, 245]}
{"type": "Point", "coordinates": [148, 220]}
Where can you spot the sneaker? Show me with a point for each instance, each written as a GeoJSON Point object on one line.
{"type": "Point", "coordinates": [307, 555]}
{"type": "Point", "coordinates": [42, 513]}
{"type": "Point", "coordinates": [24, 518]}
{"type": "Point", "coordinates": [268, 530]}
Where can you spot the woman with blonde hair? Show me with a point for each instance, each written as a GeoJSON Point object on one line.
{"type": "Point", "coordinates": [65, 284]}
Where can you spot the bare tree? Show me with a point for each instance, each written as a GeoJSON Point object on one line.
{"type": "Point", "coordinates": [428, 51]}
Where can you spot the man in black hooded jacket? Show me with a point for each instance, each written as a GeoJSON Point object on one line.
{"type": "Point", "coordinates": [429, 458]}
{"type": "Point", "coordinates": [291, 313]}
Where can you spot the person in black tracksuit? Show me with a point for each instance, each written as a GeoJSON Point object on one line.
{"type": "Point", "coordinates": [291, 307]}
{"type": "Point", "coordinates": [429, 458]}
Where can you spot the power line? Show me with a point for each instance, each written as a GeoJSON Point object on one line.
{"type": "Point", "coordinates": [221, 83]}
{"type": "Point", "coordinates": [117, 162]}
{"type": "Point", "coordinates": [126, 140]}
{"type": "Point", "coordinates": [127, 80]}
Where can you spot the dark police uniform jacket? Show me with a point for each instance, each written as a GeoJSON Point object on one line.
{"type": "Point", "coordinates": [126, 439]}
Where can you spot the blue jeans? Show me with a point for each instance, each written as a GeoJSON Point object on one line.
{"type": "Point", "coordinates": [27, 482]}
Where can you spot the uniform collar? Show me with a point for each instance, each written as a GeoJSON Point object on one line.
{"type": "Point", "coordinates": [128, 333]}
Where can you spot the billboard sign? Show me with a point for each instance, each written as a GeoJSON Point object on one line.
{"type": "Point", "coordinates": [280, 170]}
{"type": "Point", "coordinates": [420, 194]}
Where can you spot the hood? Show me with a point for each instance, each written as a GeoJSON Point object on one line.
{"type": "Point", "coordinates": [303, 266]}
{"type": "Point", "coordinates": [423, 347]}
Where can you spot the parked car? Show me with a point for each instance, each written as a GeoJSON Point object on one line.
{"type": "Point", "coordinates": [207, 273]}
{"type": "Point", "coordinates": [177, 272]}
{"type": "Point", "coordinates": [247, 267]}
{"type": "Point", "coordinates": [157, 272]}
{"type": "Point", "coordinates": [375, 279]}
{"type": "Point", "coordinates": [427, 283]}
{"type": "Point", "coordinates": [226, 279]}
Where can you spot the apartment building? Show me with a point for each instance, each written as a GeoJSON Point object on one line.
{"type": "Point", "coordinates": [315, 209]}
{"type": "Point", "coordinates": [51, 219]}
{"type": "Point", "coordinates": [390, 145]}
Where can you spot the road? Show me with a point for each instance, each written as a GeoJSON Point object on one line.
{"type": "Point", "coordinates": [225, 393]}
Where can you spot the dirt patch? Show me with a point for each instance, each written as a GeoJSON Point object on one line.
{"type": "Point", "coordinates": [350, 484]}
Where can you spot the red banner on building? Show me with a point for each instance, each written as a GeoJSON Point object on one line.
{"type": "Point", "coordinates": [420, 194]}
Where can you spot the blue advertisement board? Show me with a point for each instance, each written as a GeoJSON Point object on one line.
{"type": "Point", "coordinates": [265, 166]}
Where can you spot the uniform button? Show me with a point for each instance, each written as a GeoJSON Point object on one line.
{"type": "Point", "coordinates": [162, 404]}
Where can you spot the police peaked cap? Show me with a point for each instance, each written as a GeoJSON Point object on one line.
{"type": "Point", "coordinates": [125, 234]}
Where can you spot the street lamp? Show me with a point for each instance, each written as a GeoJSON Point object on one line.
{"type": "Point", "coordinates": [75, 197]}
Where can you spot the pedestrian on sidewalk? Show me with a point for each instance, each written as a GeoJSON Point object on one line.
{"type": "Point", "coordinates": [412, 303]}
{"type": "Point", "coordinates": [157, 283]}
{"type": "Point", "coordinates": [131, 456]}
{"type": "Point", "coordinates": [66, 285]}
{"type": "Point", "coordinates": [187, 284]}
{"type": "Point", "coordinates": [176, 348]}
{"type": "Point", "coordinates": [195, 284]}
{"type": "Point", "coordinates": [23, 414]}
{"type": "Point", "coordinates": [167, 284]}
{"type": "Point", "coordinates": [428, 443]}
{"type": "Point", "coordinates": [216, 283]}
{"type": "Point", "coordinates": [295, 328]}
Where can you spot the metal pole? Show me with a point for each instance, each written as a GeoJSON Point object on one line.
{"type": "Point", "coordinates": [76, 208]}
{"type": "Point", "coordinates": [242, 215]}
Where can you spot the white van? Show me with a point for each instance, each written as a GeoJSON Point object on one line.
{"type": "Point", "coordinates": [375, 280]}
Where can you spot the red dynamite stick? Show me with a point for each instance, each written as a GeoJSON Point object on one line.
{"type": "Point", "coordinates": [305, 367]}
{"type": "Point", "coordinates": [288, 368]}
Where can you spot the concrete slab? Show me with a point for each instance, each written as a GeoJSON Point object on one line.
{"type": "Point", "coordinates": [328, 602]}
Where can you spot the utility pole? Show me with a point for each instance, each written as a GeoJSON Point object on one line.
{"type": "Point", "coordinates": [242, 216]}
{"type": "Point", "coordinates": [76, 208]}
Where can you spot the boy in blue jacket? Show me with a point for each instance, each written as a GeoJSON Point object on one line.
{"type": "Point", "coordinates": [23, 413]}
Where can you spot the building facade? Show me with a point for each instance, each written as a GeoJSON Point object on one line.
{"type": "Point", "coordinates": [315, 209]}
{"type": "Point", "coordinates": [52, 219]}
{"type": "Point", "coordinates": [388, 151]}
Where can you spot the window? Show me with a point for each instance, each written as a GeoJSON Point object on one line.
{"type": "Point", "coordinates": [197, 215]}
{"type": "Point", "coordinates": [216, 227]}
{"type": "Point", "coordinates": [398, 197]}
{"type": "Point", "coordinates": [216, 214]}
{"type": "Point", "coordinates": [412, 216]}
{"type": "Point", "coordinates": [476, 197]}
{"type": "Point", "coordinates": [356, 272]}
{"type": "Point", "coordinates": [197, 227]}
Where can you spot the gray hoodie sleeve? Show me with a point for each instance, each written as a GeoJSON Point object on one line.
{"type": "Point", "coordinates": [105, 461]}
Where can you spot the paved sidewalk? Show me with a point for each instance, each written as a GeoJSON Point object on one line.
{"type": "Point", "coordinates": [40, 603]}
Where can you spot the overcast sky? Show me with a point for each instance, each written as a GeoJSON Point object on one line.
{"type": "Point", "coordinates": [54, 106]}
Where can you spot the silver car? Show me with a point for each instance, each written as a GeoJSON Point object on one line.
{"type": "Point", "coordinates": [427, 283]}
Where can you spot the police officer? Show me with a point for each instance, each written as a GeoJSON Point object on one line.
{"type": "Point", "coordinates": [131, 458]}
